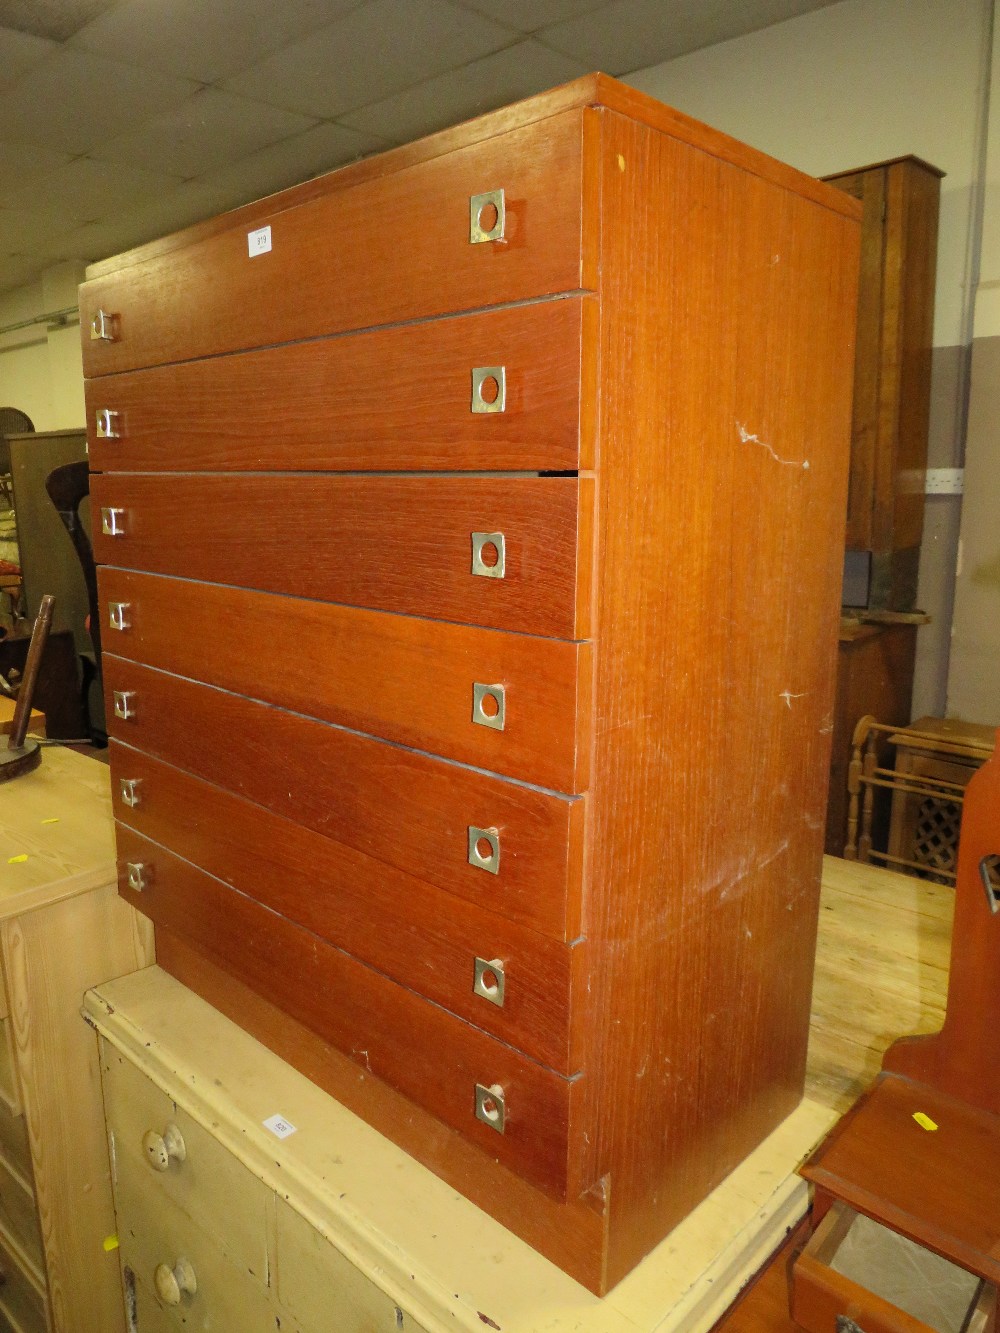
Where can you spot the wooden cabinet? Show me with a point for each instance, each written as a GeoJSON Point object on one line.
{"type": "Point", "coordinates": [909, 1168]}
{"type": "Point", "coordinates": [925, 825]}
{"type": "Point", "coordinates": [892, 381]}
{"type": "Point", "coordinates": [63, 928]}
{"type": "Point", "coordinates": [325, 1224]}
{"type": "Point", "coordinates": [874, 678]}
{"type": "Point", "coordinates": [457, 753]}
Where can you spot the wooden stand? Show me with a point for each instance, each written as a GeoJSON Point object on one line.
{"type": "Point", "coordinates": [920, 1154]}
{"type": "Point", "coordinates": [62, 928]}
{"type": "Point", "coordinates": [963, 1059]}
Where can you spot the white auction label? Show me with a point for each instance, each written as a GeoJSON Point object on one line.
{"type": "Point", "coordinates": [278, 1126]}
{"type": "Point", "coordinates": [259, 241]}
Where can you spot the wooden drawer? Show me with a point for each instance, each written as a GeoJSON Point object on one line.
{"type": "Point", "coordinates": [22, 1301]}
{"type": "Point", "coordinates": [431, 1056]}
{"type": "Point", "coordinates": [412, 545]}
{"type": "Point", "coordinates": [152, 1232]}
{"type": "Point", "coordinates": [19, 1215]}
{"type": "Point", "coordinates": [398, 399]}
{"type": "Point", "coordinates": [411, 225]}
{"type": "Point", "coordinates": [416, 935]}
{"type": "Point", "coordinates": [938, 1296]}
{"type": "Point", "coordinates": [323, 1289]}
{"type": "Point", "coordinates": [208, 1185]}
{"type": "Point", "coordinates": [361, 793]}
{"type": "Point", "coordinates": [145, 1311]}
{"type": "Point", "coordinates": [406, 680]}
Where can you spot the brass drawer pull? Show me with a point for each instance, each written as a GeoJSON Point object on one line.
{"type": "Point", "coordinates": [489, 555]}
{"type": "Point", "coordinates": [102, 327]}
{"type": "Point", "coordinates": [491, 1106]}
{"type": "Point", "coordinates": [129, 788]}
{"type": "Point", "coordinates": [488, 980]}
{"type": "Point", "coordinates": [162, 1149]}
{"type": "Point", "coordinates": [484, 849]}
{"type": "Point", "coordinates": [488, 706]}
{"type": "Point", "coordinates": [125, 704]}
{"type": "Point", "coordinates": [489, 389]}
{"type": "Point", "coordinates": [138, 876]}
{"type": "Point", "coordinates": [119, 615]}
{"type": "Point", "coordinates": [113, 522]}
{"type": "Point", "coordinates": [172, 1284]}
{"type": "Point", "coordinates": [107, 423]}
{"type": "Point", "coordinates": [487, 217]}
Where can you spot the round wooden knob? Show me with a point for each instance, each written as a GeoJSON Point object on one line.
{"type": "Point", "coordinates": [160, 1148]}
{"type": "Point", "coordinates": [173, 1283]}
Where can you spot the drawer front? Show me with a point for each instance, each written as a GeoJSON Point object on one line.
{"type": "Point", "coordinates": [399, 399]}
{"type": "Point", "coordinates": [513, 554]}
{"type": "Point", "coordinates": [429, 1055]}
{"type": "Point", "coordinates": [512, 982]}
{"type": "Point", "coordinates": [822, 1294]}
{"type": "Point", "coordinates": [202, 1183]}
{"type": "Point", "coordinates": [22, 1304]}
{"type": "Point", "coordinates": [363, 793]}
{"type": "Point", "coordinates": [323, 1289]}
{"type": "Point", "coordinates": [411, 225]}
{"type": "Point", "coordinates": [146, 1312]}
{"type": "Point", "coordinates": [406, 680]}
{"type": "Point", "coordinates": [19, 1215]}
{"type": "Point", "coordinates": [225, 1298]}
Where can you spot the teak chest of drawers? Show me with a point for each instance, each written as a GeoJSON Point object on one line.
{"type": "Point", "coordinates": [470, 524]}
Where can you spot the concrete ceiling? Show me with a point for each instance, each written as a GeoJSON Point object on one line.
{"type": "Point", "coordinates": [121, 120]}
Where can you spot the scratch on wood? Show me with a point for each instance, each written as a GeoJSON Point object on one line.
{"type": "Point", "coordinates": [748, 438]}
{"type": "Point", "coordinates": [788, 696]}
{"type": "Point", "coordinates": [364, 1054]}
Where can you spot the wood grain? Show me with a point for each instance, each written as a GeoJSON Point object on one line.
{"type": "Point", "coordinates": [422, 938]}
{"type": "Point", "coordinates": [721, 384]}
{"type": "Point", "coordinates": [935, 1187]}
{"type": "Point", "coordinates": [874, 678]}
{"type": "Point", "coordinates": [50, 957]}
{"type": "Point", "coordinates": [376, 1023]}
{"type": "Point", "coordinates": [412, 225]}
{"type": "Point", "coordinates": [403, 679]}
{"type": "Point", "coordinates": [892, 370]}
{"type": "Point", "coordinates": [393, 544]}
{"type": "Point", "coordinates": [403, 809]}
{"type": "Point", "coordinates": [386, 400]}
{"type": "Point", "coordinates": [590, 90]}
{"type": "Point", "coordinates": [821, 1295]}
{"type": "Point", "coordinates": [711, 744]}
{"type": "Point", "coordinates": [962, 1059]}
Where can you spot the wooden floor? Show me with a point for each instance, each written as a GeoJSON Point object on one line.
{"type": "Point", "coordinates": [881, 973]}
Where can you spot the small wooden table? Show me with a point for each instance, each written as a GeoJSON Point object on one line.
{"type": "Point", "coordinates": [63, 928]}
{"type": "Point", "coordinates": [924, 830]}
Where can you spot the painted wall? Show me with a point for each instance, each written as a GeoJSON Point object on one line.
{"type": "Point", "coordinates": [974, 685]}
{"type": "Point", "coordinates": [41, 369]}
{"type": "Point", "coordinates": [855, 83]}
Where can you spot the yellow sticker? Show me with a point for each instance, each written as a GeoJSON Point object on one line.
{"type": "Point", "coordinates": [51, 821]}
{"type": "Point", "coordinates": [924, 1121]}
{"type": "Point", "coordinates": [110, 1243]}
{"type": "Point", "coordinates": [16, 860]}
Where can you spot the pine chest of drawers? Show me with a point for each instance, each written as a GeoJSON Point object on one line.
{"type": "Point", "coordinates": [469, 524]}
